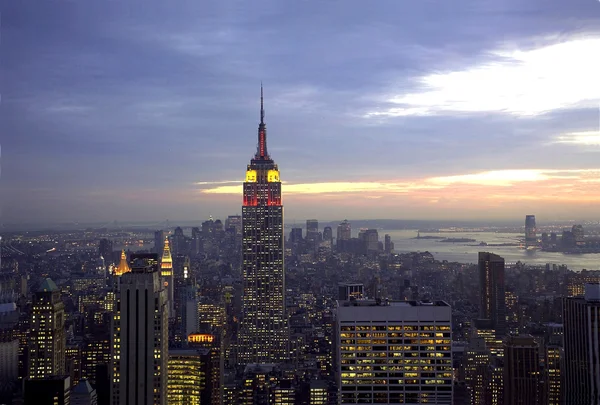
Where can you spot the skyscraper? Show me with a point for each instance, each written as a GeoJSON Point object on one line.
{"type": "Point", "coordinates": [521, 371]}
{"type": "Point", "coordinates": [159, 237]}
{"type": "Point", "coordinates": [344, 233]}
{"type": "Point", "coordinates": [396, 352]}
{"type": "Point", "coordinates": [140, 336]}
{"type": "Point", "coordinates": [47, 335]}
{"type": "Point", "coordinates": [581, 347]}
{"type": "Point", "coordinates": [263, 335]}
{"type": "Point", "coordinates": [530, 231]}
{"type": "Point", "coordinates": [166, 273]}
{"type": "Point", "coordinates": [492, 291]}
{"type": "Point", "coordinates": [312, 230]}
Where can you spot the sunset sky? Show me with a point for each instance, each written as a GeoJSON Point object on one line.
{"type": "Point", "coordinates": [140, 110]}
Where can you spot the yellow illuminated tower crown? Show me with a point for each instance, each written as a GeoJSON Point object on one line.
{"type": "Point", "coordinates": [123, 266]}
{"type": "Point", "coordinates": [166, 264]}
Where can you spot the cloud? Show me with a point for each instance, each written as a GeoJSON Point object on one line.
{"type": "Point", "coordinates": [516, 82]}
{"type": "Point", "coordinates": [589, 138]}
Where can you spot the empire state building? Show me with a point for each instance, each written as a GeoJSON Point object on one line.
{"type": "Point", "coordinates": [263, 334]}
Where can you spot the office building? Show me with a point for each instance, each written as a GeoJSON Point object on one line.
{"type": "Point", "coordinates": [159, 237]}
{"type": "Point", "coordinates": [521, 371]}
{"type": "Point", "coordinates": [344, 234]}
{"type": "Point", "coordinates": [530, 231]}
{"type": "Point", "coordinates": [166, 274]}
{"type": "Point", "coordinates": [388, 245]}
{"type": "Point", "coordinates": [140, 340]}
{"type": "Point", "coordinates": [186, 378]}
{"type": "Point", "coordinates": [50, 390]}
{"type": "Point", "coordinates": [105, 250]}
{"type": "Point", "coordinates": [208, 347]}
{"type": "Point", "coordinates": [581, 317]}
{"type": "Point", "coordinates": [476, 362]}
{"type": "Point", "coordinates": [263, 333]}
{"type": "Point", "coordinates": [394, 352]}
{"type": "Point", "coordinates": [328, 234]}
{"type": "Point", "coordinates": [553, 375]}
{"type": "Point", "coordinates": [492, 291]}
{"type": "Point", "coordinates": [234, 221]}
{"type": "Point", "coordinates": [47, 334]}
{"type": "Point", "coordinates": [312, 230]}
{"type": "Point", "coordinates": [188, 309]}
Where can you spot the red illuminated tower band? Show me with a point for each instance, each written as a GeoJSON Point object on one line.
{"type": "Point", "coordinates": [263, 334]}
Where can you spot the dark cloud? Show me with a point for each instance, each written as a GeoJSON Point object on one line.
{"type": "Point", "coordinates": [103, 96]}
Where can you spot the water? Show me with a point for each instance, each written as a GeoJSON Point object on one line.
{"type": "Point", "coordinates": [467, 252]}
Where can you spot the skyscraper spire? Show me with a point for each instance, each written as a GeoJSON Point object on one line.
{"type": "Point", "coordinates": [261, 153]}
{"type": "Point", "coordinates": [262, 108]}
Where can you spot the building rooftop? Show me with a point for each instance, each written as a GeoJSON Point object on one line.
{"type": "Point", "coordinates": [388, 303]}
{"type": "Point", "coordinates": [83, 387]}
{"type": "Point", "coordinates": [47, 286]}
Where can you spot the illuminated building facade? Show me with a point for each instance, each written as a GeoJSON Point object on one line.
{"type": "Point", "coordinates": [140, 336]}
{"type": "Point", "coordinates": [263, 335]}
{"type": "Point", "coordinates": [47, 338]}
{"type": "Point", "coordinates": [530, 231]}
{"type": "Point", "coordinates": [553, 377]}
{"type": "Point", "coordinates": [492, 291]}
{"type": "Point", "coordinates": [209, 348]}
{"type": "Point", "coordinates": [521, 371]}
{"type": "Point", "coordinates": [477, 361]}
{"type": "Point", "coordinates": [166, 274]}
{"type": "Point", "coordinates": [186, 378]}
{"type": "Point", "coordinates": [394, 352]}
{"type": "Point", "coordinates": [581, 318]}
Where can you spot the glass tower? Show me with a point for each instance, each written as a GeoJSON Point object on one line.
{"type": "Point", "coordinates": [263, 335]}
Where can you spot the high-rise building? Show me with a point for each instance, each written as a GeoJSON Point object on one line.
{"type": "Point", "coordinates": [328, 234]}
{"type": "Point", "coordinates": [50, 390]}
{"type": "Point", "coordinates": [105, 249]}
{"type": "Point", "coordinates": [394, 352]}
{"type": "Point", "coordinates": [47, 335]}
{"type": "Point", "coordinates": [492, 291]}
{"type": "Point", "coordinates": [553, 375]}
{"type": "Point", "coordinates": [166, 274]}
{"type": "Point", "coordinates": [312, 230]}
{"type": "Point", "coordinates": [159, 237]}
{"type": "Point", "coordinates": [140, 335]}
{"type": "Point", "coordinates": [263, 333]}
{"type": "Point", "coordinates": [521, 371]}
{"type": "Point", "coordinates": [187, 377]}
{"type": "Point", "coordinates": [234, 221]}
{"type": "Point", "coordinates": [581, 317]}
{"type": "Point", "coordinates": [344, 234]}
{"type": "Point", "coordinates": [388, 244]}
{"type": "Point", "coordinates": [530, 231]}
{"type": "Point", "coordinates": [477, 361]}
{"type": "Point", "coordinates": [188, 294]}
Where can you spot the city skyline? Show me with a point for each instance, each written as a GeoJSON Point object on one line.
{"type": "Point", "coordinates": [486, 113]}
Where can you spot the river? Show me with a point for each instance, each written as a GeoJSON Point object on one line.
{"type": "Point", "coordinates": [467, 252]}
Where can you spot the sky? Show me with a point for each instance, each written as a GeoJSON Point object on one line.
{"type": "Point", "coordinates": [141, 110]}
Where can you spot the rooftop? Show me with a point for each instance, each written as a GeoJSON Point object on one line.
{"type": "Point", "coordinates": [388, 303]}
{"type": "Point", "coordinates": [47, 286]}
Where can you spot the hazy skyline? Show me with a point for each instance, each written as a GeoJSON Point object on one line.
{"type": "Point", "coordinates": [149, 110]}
